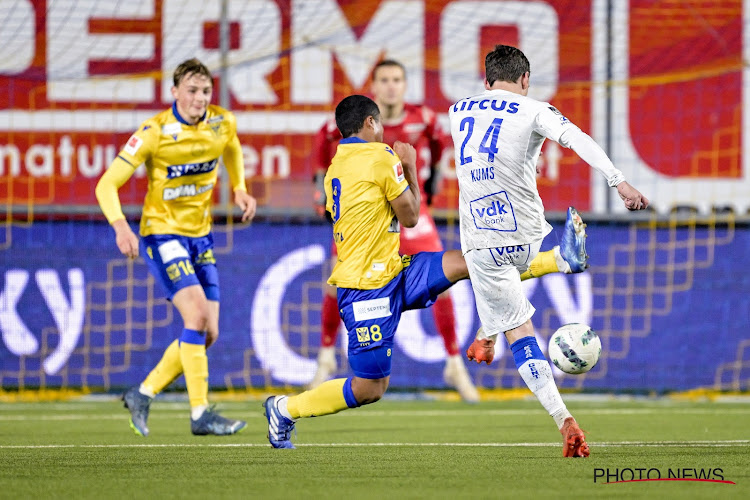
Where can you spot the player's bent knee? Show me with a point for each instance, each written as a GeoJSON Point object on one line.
{"type": "Point", "coordinates": [368, 391]}
{"type": "Point", "coordinates": [197, 318]}
{"type": "Point", "coordinates": [454, 266]}
{"type": "Point", "coordinates": [194, 308]}
{"type": "Point", "coordinates": [524, 330]}
{"type": "Point", "coordinates": [369, 400]}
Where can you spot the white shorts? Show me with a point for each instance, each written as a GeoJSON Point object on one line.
{"type": "Point", "coordinates": [496, 279]}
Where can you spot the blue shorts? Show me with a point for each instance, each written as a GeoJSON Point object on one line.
{"type": "Point", "coordinates": [371, 316]}
{"type": "Point", "coordinates": [372, 364]}
{"type": "Point", "coordinates": [180, 261]}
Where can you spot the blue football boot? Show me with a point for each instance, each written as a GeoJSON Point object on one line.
{"type": "Point", "coordinates": [138, 405]}
{"type": "Point", "coordinates": [573, 244]}
{"type": "Point", "coordinates": [213, 423]}
{"type": "Point", "coordinates": [279, 427]}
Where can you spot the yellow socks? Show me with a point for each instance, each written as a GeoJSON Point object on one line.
{"type": "Point", "coordinates": [543, 263]}
{"type": "Point", "coordinates": [168, 369]}
{"type": "Point", "coordinates": [195, 366]}
{"type": "Point", "coordinates": [329, 397]}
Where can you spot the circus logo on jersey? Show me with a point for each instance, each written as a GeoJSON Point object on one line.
{"type": "Point", "coordinates": [174, 171]}
{"type": "Point", "coordinates": [493, 212]}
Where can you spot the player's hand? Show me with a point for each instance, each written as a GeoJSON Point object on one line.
{"type": "Point", "coordinates": [246, 203]}
{"type": "Point", "coordinates": [633, 199]}
{"type": "Point", "coordinates": [126, 239]}
{"type": "Point", "coordinates": [481, 350]}
{"type": "Point", "coordinates": [406, 152]}
{"type": "Point", "coordinates": [408, 156]}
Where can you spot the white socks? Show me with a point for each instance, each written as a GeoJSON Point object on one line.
{"type": "Point", "coordinates": [562, 264]}
{"type": "Point", "coordinates": [537, 373]}
{"type": "Point", "coordinates": [281, 405]}
{"type": "Point", "coordinates": [197, 411]}
{"type": "Point", "coordinates": [544, 388]}
{"type": "Point", "coordinates": [146, 391]}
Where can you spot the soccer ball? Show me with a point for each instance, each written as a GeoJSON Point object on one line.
{"type": "Point", "coordinates": [574, 348]}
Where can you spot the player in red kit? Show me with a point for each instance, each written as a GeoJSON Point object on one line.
{"type": "Point", "coordinates": [418, 126]}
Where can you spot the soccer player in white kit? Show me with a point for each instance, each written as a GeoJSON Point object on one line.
{"type": "Point", "coordinates": [498, 136]}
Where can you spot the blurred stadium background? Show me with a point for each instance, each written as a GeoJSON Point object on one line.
{"type": "Point", "coordinates": [661, 85]}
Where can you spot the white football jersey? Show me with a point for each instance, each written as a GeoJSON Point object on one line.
{"type": "Point", "coordinates": [498, 136]}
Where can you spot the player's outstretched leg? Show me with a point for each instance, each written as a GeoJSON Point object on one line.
{"type": "Point", "coordinates": [537, 374]}
{"type": "Point", "coordinates": [574, 442]}
{"type": "Point", "coordinates": [328, 398]}
{"type": "Point", "coordinates": [279, 427]}
{"type": "Point", "coordinates": [138, 404]}
{"type": "Point", "coordinates": [211, 423]}
{"type": "Point", "coordinates": [573, 244]}
{"type": "Point", "coordinates": [568, 257]}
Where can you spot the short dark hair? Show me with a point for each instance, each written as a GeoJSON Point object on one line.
{"type": "Point", "coordinates": [388, 62]}
{"type": "Point", "coordinates": [191, 67]}
{"type": "Point", "coordinates": [505, 64]}
{"type": "Point", "coordinates": [352, 112]}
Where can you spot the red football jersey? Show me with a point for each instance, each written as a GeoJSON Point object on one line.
{"type": "Point", "coordinates": [418, 126]}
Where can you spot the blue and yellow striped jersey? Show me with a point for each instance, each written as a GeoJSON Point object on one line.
{"type": "Point", "coordinates": [181, 163]}
{"type": "Point", "coordinates": [362, 179]}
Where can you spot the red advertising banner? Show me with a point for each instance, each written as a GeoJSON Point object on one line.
{"type": "Point", "coordinates": [80, 76]}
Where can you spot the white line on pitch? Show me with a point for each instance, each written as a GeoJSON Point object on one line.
{"type": "Point", "coordinates": [251, 412]}
{"type": "Point", "coordinates": [672, 444]}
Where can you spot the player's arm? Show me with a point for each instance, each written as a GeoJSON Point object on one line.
{"type": "Point", "coordinates": [553, 125]}
{"type": "Point", "coordinates": [590, 152]}
{"type": "Point", "coordinates": [406, 205]}
{"type": "Point", "coordinates": [113, 179]}
{"type": "Point", "coordinates": [139, 149]}
{"type": "Point", "coordinates": [236, 169]}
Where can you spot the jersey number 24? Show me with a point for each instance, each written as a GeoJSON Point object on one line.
{"type": "Point", "coordinates": [489, 141]}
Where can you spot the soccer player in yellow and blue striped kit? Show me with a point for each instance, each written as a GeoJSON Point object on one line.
{"type": "Point", "coordinates": [370, 189]}
{"type": "Point", "coordinates": [180, 148]}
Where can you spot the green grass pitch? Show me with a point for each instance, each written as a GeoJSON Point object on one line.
{"type": "Point", "coordinates": [390, 450]}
